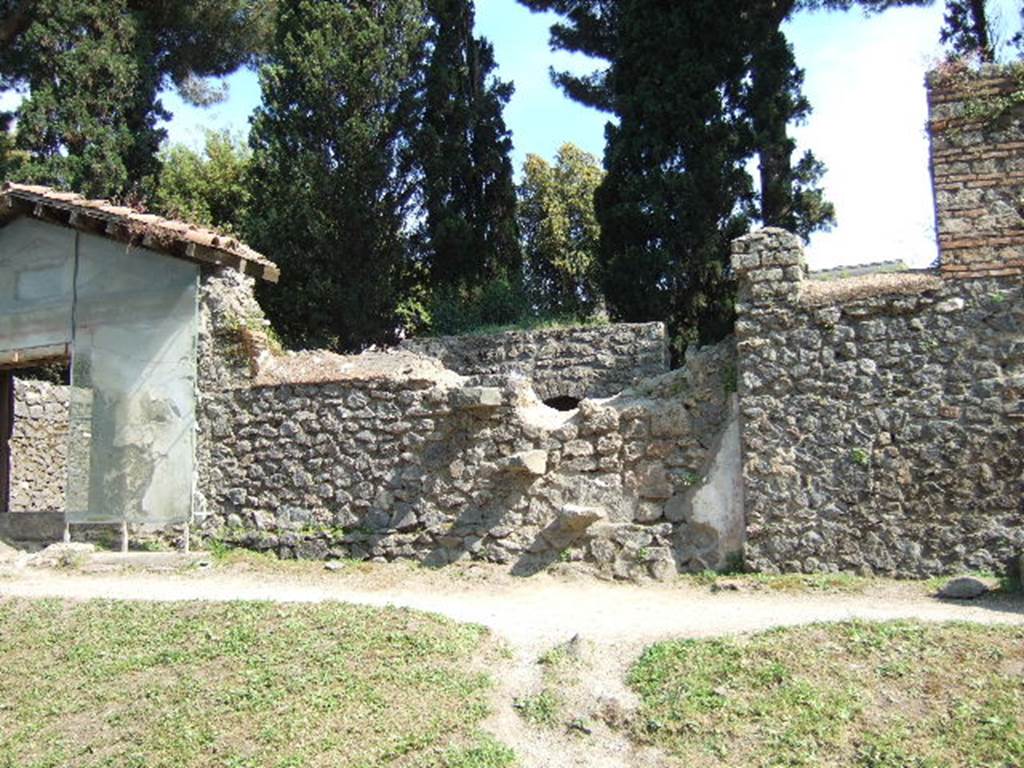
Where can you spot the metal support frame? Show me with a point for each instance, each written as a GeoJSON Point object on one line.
{"type": "Point", "coordinates": [6, 432]}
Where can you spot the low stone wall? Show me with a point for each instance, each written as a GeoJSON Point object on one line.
{"type": "Point", "coordinates": [39, 447]}
{"type": "Point", "coordinates": [882, 417]}
{"type": "Point", "coordinates": [391, 456]}
{"type": "Point", "coordinates": [565, 362]}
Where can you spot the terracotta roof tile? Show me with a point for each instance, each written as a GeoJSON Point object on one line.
{"type": "Point", "coordinates": [176, 238]}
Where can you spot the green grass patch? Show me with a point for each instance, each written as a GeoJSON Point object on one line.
{"type": "Point", "coordinates": [870, 695]}
{"type": "Point", "coordinates": [845, 583]}
{"type": "Point", "coordinates": [542, 709]}
{"type": "Point", "coordinates": [537, 324]}
{"type": "Point", "coordinates": [240, 685]}
{"type": "Point", "coordinates": [561, 667]}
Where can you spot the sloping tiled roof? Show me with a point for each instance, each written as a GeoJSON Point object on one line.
{"type": "Point", "coordinates": [175, 238]}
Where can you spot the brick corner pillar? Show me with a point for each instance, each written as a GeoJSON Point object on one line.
{"type": "Point", "coordinates": [976, 125]}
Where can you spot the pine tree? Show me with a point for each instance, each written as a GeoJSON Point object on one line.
{"type": "Point", "coordinates": [331, 169]}
{"type": "Point", "coordinates": [92, 72]}
{"type": "Point", "coordinates": [463, 148]}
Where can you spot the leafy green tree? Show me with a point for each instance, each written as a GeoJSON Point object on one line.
{"type": "Point", "coordinates": [209, 187]}
{"type": "Point", "coordinates": [9, 160]}
{"type": "Point", "coordinates": [332, 188]}
{"type": "Point", "coordinates": [463, 149]}
{"type": "Point", "coordinates": [92, 71]}
{"type": "Point", "coordinates": [560, 232]}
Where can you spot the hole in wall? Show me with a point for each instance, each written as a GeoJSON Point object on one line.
{"type": "Point", "coordinates": [563, 403]}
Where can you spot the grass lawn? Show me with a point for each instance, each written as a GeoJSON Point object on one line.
{"type": "Point", "coordinates": [872, 695]}
{"type": "Point", "coordinates": [240, 685]}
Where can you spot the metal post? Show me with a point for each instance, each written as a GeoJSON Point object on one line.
{"type": "Point", "coordinates": [6, 431]}
{"type": "Point", "coordinates": [124, 537]}
{"type": "Point", "coordinates": [187, 539]}
{"type": "Point", "coordinates": [67, 530]}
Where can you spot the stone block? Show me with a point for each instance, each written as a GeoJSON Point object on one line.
{"type": "Point", "coordinates": [533, 463]}
{"type": "Point", "coordinates": [483, 398]}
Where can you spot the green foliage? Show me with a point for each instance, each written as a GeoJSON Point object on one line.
{"type": "Point", "coordinates": [860, 456]}
{"type": "Point", "coordinates": [966, 30]}
{"type": "Point", "coordinates": [9, 158]}
{"type": "Point", "coordinates": [541, 709]}
{"type": "Point", "coordinates": [698, 88]}
{"type": "Point", "coordinates": [458, 310]}
{"type": "Point", "coordinates": [488, 754]}
{"type": "Point", "coordinates": [210, 187]}
{"type": "Point", "coordinates": [91, 72]}
{"type": "Point", "coordinates": [560, 231]}
{"type": "Point", "coordinates": [469, 234]}
{"type": "Point", "coordinates": [331, 171]}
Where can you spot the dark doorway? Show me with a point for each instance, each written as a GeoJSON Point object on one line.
{"type": "Point", "coordinates": [563, 403]}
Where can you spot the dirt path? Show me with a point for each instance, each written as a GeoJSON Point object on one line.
{"type": "Point", "coordinates": [529, 613]}
{"type": "Point", "coordinates": [614, 621]}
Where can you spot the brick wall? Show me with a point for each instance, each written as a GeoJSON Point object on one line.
{"type": "Point", "coordinates": [977, 146]}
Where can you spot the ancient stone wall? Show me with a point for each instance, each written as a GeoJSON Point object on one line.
{"type": "Point", "coordinates": [39, 447]}
{"type": "Point", "coordinates": [392, 456]}
{"type": "Point", "coordinates": [882, 417]}
{"type": "Point", "coordinates": [978, 169]}
{"type": "Point", "coordinates": [565, 362]}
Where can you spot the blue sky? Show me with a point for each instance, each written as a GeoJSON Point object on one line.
{"type": "Point", "coordinates": [864, 78]}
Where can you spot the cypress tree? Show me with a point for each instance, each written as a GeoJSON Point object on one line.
{"type": "Point", "coordinates": [676, 191]}
{"type": "Point", "coordinates": [697, 88]}
{"type": "Point", "coordinates": [966, 29]}
{"type": "Point", "coordinates": [790, 196]}
{"type": "Point", "coordinates": [470, 232]}
{"type": "Point", "coordinates": [332, 189]}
